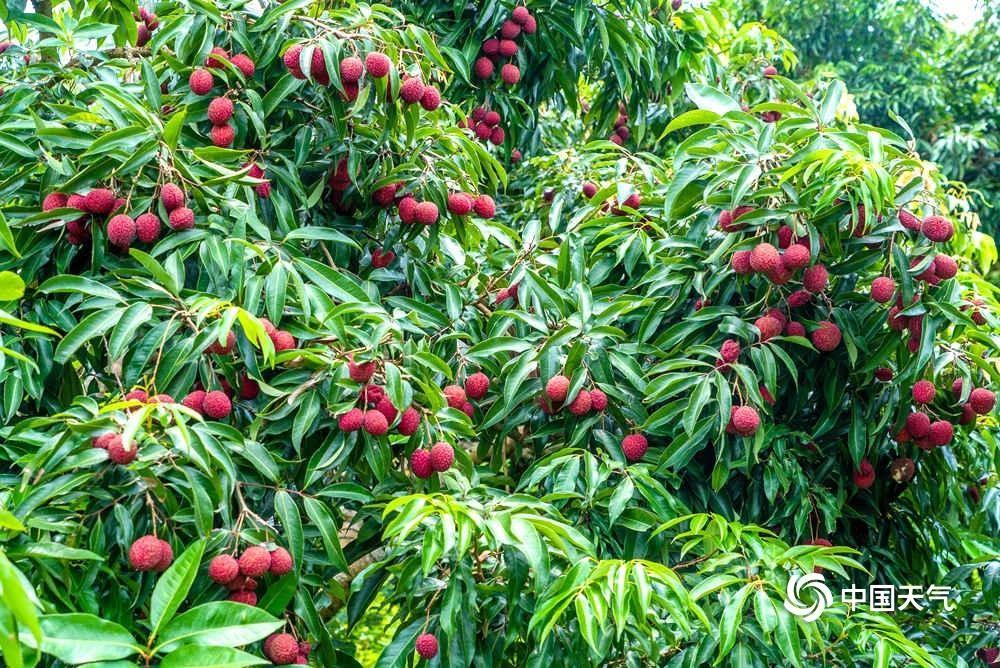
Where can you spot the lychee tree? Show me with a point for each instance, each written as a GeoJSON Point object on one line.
{"type": "Point", "coordinates": [292, 338]}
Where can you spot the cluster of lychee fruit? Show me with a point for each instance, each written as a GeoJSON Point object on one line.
{"type": "Point", "coordinates": [463, 204]}
{"type": "Point", "coordinates": [425, 463]}
{"type": "Point", "coordinates": [557, 392]}
{"type": "Point", "coordinates": [503, 46]}
{"type": "Point", "coordinates": [926, 433]}
{"type": "Point", "coordinates": [115, 446]}
{"type": "Point", "coordinates": [146, 23]}
{"type": "Point", "coordinates": [377, 411]}
{"type": "Point", "coordinates": [241, 575]}
{"type": "Point", "coordinates": [621, 132]}
{"type": "Point", "coordinates": [476, 386]}
{"type": "Point", "coordinates": [150, 553]}
{"type": "Point", "coordinates": [255, 171]}
{"type": "Point", "coordinates": [214, 404]}
{"type": "Point", "coordinates": [485, 125]}
{"type": "Point", "coordinates": [201, 81]}
{"type": "Point", "coordinates": [283, 649]}
{"type": "Point", "coordinates": [281, 339]}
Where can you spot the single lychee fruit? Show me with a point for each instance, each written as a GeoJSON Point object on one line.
{"type": "Point", "coordinates": [223, 569]}
{"type": "Point", "coordinates": [375, 423]}
{"type": "Point", "coordinates": [937, 228]}
{"type": "Point", "coordinates": [507, 48]}
{"type": "Point", "coordinates": [386, 408]}
{"type": "Point", "coordinates": [217, 58]}
{"type": "Point", "coordinates": [940, 432]}
{"type": "Point", "coordinates": [100, 201]}
{"type": "Point", "coordinates": [54, 201]}
{"type": "Point", "coordinates": [282, 341]}
{"type": "Point", "coordinates": [864, 476]}
{"type": "Point", "coordinates": [431, 98]}
{"type": "Point", "coordinates": [381, 259]}
{"type": "Point", "coordinates": [982, 400]}
{"type": "Point", "coordinates": [147, 228]}
{"type": "Point", "coordinates": [483, 67]}
{"type": "Point", "coordinates": [119, 454]}
{"type": "Point", "coordinates": [181, 218]}
{"type": "Point", "coordinates": [426, 213]}
{"type": "Point", "coordinates": [477, 385]}
{"type": "Point", "coordinates": [730, 350]}
{"type": "Point", "coordinates": [360, 373]}
{"type": "Point", "coordinates": [427, 646]}
{"type": "Point", "coordinates": [377, 64]}
{"type": "Point", "coordinates": [945, 266]}
{"type": "Point", "coordinates": [291, 59]}
{"type": "Point", "coordinates": [244, 64]}
{"type": "Point", "coordinates": [740, 262]}
{"type": "Point", "coordinates": [768, 327]}
{"type": "Point", "coordinates": [589, 189]}
{"type": "Point", "coordinates": [442, 455]}
{"type": "Point", "coordinates": [795, 256]}
{"type": "Point", "coordinates": [200, 82]}
{"type": "Point", "coordinates": [484, 206]}
{"type": "Point", "coordinates": [220, 110]}
{"type": "Point", "coordinates": [510, 74]}
{"type": "Point", "coordinates": [217, 405]}
{"type": "Point", "coordinates": [745, 420]}
{"type": "Point", "coordinates": [420, 463]}
{"type": "Point", "coordinates": [826, 337]}
{"type": "Point", "coordinates": [598, 400]}
{"type": "Point", "coordinates": [255, 561]}
{"type": "Point", "coordinates": [634, 446]}
{"type": "Point", "coordinates": [814, 279]}
{"type": "Point", "coordinates": [883, 374]}
{"type": "Point", "coordinates": [455, 395]}
{"type": "Point", "coordinates": [352, 420]}
{"type": "Point", "coordinates": [407, 209]}
{"type": "Point", "coordinates": [764, 258]}
{"type": "Point", "coordinates": [281, 562]}
{"type": "Point", "coordinates": [194, 400]}
{"type": "Point", "coordinates": [918, 424]}
{"type": "Point", "coordinates": [520, 15]}
{"type": "Point", "coordinates": [121, 231]}
{"type": "Point", "coordinates": [171, 196]}
{"type": "Point", "coordinates": [923, 392]}
{"type": "Point", "coordinates": [243, 596]}
{"type": "Point", "coordinates": [556, 388]}
{"type": "Point", "coordinates": [795, 329]}
{"type": "Point", "coordinates": [145, 553]}
{"type": "Point", "coordinates": [281, 648]}
{"type": "Point", "coordinates": [529, 26]}
{"type": "Point", "coordinates": [409, 421]}
{"type": "Point", "coordinates": [497, 136]}
{"type": "Point", "coordinates": [459, 204]}
{"type": "Point", "coordinates": [770, 71]}
{"type": "Point", "coordinates": [217, 348]}
{"type": "Point", "coordinates": [222, 135]}
{"type": "Point", "coordinates": [411, 90]}
{"type": "Point", "coordinates": [883, 289]}
{"type": "Point", "coordinates": [351, 69]}
{"type": "Point", "coordinates": [581, 404]}
{"type": "Point", "coordinates": [909, 221]}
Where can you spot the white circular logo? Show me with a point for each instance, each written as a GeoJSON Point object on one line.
{"type": "Point", "coordinates": [794, 604]}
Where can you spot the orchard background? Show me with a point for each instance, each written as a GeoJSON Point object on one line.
{"type": "Point", "coordinates": [489, 333]}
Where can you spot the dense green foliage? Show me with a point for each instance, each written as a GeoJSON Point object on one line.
{"type": "Point", "coordinates": [553, 538]}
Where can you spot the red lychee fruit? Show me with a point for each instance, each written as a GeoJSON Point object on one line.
{"type": "Point", "coordinates": [217, 405]}
{"type": "Point", "coordinates": [510, 74]}
{"type": "Point", "coordinates": [222, 135]}
{"type": "Point", "coordinates": [468, 409]}
{"type": "Point", "coordinates": [520, 15]}
{"type": "Point", "coordinates": [147, 228]}
{"type": "Point", "coordinates": [281, 648]}
{"type": "Point", "coordinates": [119, 454]}
{"type": "Point", "coordinates": [427, 646]}
{"type": "Point", "coordinates": [796, 256]}
{"type": "Point", "coordinates": [864, 476]}
{"type": "Point", "coordinates": [598, 400]}
{"type": "Point", "coordinates": [223, 569]}
{"type": "Point", "coordinates": [507, 48]}
{"type": "Point", "coordinates": [589, 189]}
{"type": "Point", "coordinates": [385, 196]}
{"type": "Point", "coordinates": [795, 329]}
{"type": "Point", "coordinates": [909, 221]}
{"type": "Point", "coordinates": [764, 258]}
{"type": "Point", "coordinates": [281, 562]}
{"type": "Point", "coordinates": [222, 348]}
{"type": "Point", "coordinates": [409, 421]}
{"type": "Point", "coordinates": [883, 374]}
{"type": "Point", "coordinates": [377, 64]}
{"type": "Point", "coordinates": [940, 432]}
{"type": "Point", "coordinates": [483, 67]}
{"type": "Point", "coordinates": [194, 400]}
{"type": "Point", "coordinates": [770, 71]}
{"type": "Point", "coordinates": [166, 556]}
{"type": "Point", "coordinates": [426, 213]}
{"type": "Point", "coordinates": [497, 136]}
{"type": "Point", "coordinates": [768, 327]}
{"type": "Point", "coordinates": [491, 47]}
{"type": "Point", "coordinates": [529, 26]}
{"type": "Point", "coordinates": [581, 404]}
{"type": "Point", "coordinates": [100, 201]}
{"type": "Point", "coordinates": [217, 58]}
{"type": "Point", "coordinates": [375, 423]}
{"type": "Point", "coordinates": [54, 201]}
{"type": "Point", "coordinates": [483, 132]}
{"type": "Point", "coordinates": [411, 90]}
{"type": "Point", "coordinates": [407, 209]}
{"type": "Point", "coordinates": [923, 392]}
{"type": "Point", "coordinates": [556, 388]}
{"type": "Point", "coordinates": [181, 218]}
{"type": "Point", "coordinates": [730, 350]}
{"type": "Point", "coordinates": [442, 455]}
{"type": "Point", "coordinates": [740, 262]}
{"type": "Point", "coordinates": [459, 204]}
{"type": "Point", "coordinates": [420, 463]}
{"type": "Point", "coordinates": [244, 64]}
{"type": "Point", "coordinates": [137, 395]}
{"type": "Point", "coordinates": [386, 408]}
{"type": "Point", "coordinates": [918, 424]}
{"type": "Point", "coordinates": [291, 59]}
{"type": "Point", "coordinates": [382, 259]}
{"type": "Point", "coordinates": [243, 596]}
{"type": "Point", "coordinates": [477, 385]}
{"type": "Point", "coordinates": [145, 553]}
{"type": "Point", "coordinates": [431, 98]}
{"type": "Point", "coordinates": [352, 420]}
{"type": "Point", "coordinates": [220, 110]}
{"type": "Point", "coordinates": [455, 396]}
{"type": "Point", "coordinates": [121, 231]}
{"type": "Point", "coordinates": [484, 206]}
{"type": "Point", "coordinates": [351, 69]}
{"type": "Point", "coordinates": [826, 337]}
{"type": "Point", "coordinates": [937, 228]}
{"type": "Point", "coordinates": [785, 234]}
{"type": "Point", "coordinates": [282, 341]}
{"type": "Point", "coordinates": [982, 400]}
{"type": "Point", "coordinates": [814, 279]}
{"type": "Point", "coordinates": [171, 196]}
{"type": "Point", "coordinates": [78, 202]}
{"type": "Point", "coordinates": [745, 420]}
{"type": "Point", "coordinates": [360, 373]}
{"type": "Point", "coordinates": [103, 440]}
{"type": "Point", "coordinates": [255, 561]}
{"type": "Point", "coordinates": [491, 118]}
{"type": "Point", "coordinates": [634, 446]}
{"type": "Point", "coordinates": [200, 82]}
{"type": "Point", "coordinates": [883, 289]}
{"type": "Point", "coordinates": [945, 266]}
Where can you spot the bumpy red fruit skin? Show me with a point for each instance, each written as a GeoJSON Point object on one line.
{"type": "Point", "coordinates": [181, 218]}
{"type": "Point", "coordinates": [103, 440]}
{"type": "Point", "coordinates": [411, 90]}
{"type": "Point", "coordinates": [529, 26]}
{"type": "Point", "coordinates": [117, 452]}
{"type": "Point", "coordinates": [54, 201]}
{"type": "Point", "coordinates": [483, 67]}
{"type": "Point", "coordinates": [883, 289]}
{"type": "Point", "coordinates": [217, 57]}
{"type": "Point", "coordinates": [426, 213]}
{"type": "Point", "coordinates": [768, 327]}
{"type": "Point", "coordinates": [377, 64]}
{"type": "Point", "coordinates": [386, 408]}
{"type": "Point", "coordinates": [477, 385]}
{"type": "Point", "coordinates": [409, 421]}
{"type": "Point", "coordinates": [826, 337]}
{"type": "Point", "coordinates": [375, 423]}
{"type": "Point", "coordinates": [730, 350]}
{"type": "Point", "coordinates": [556, 388]}
{"type": "Point", "coordinates": [917, 424]}
{"type": "Point", "coordinates": [764, 258]}
{"type": "Point", "coordinates": [361, 372]}
{"type": "Point", "coordinates": [442, 456]}
{"type": "Point", "coordinates": [352, 420]}
{"type": "Point", "coordinates": [982, 400]}
{"type": "Point", "coordinates": [937, 228]}
{"type": "Point", "coordinates": [223, 135]}
{"type": "Point", "coordinates": [121, 231]}
{"type": "Point", "coordinates": [909, 221]}
{"type": "Point", "coordinates": [795, 329]}
{"type": "Point", "coordinates": [407, 209]}
{"type": "Point", "coordinates": [634, 446]}
{"type": "Point", "coordinates": [281, 648]}
{"type": "Point", "coordinates": [166, 557]}
{"type": "Point", "coordinates": [589, 189]}
{"type": "Point", "coordinates": [740, 262]}
{"type": "Point", "coordinates": [520, 15]}
{"type": "Point", "coordinates": [814, 279]}
{"type": "Point", "coordinates": [171, 196]}
{"type": "Point", "coordinates": [923, 392]}
{"type": "Point", "coordinates": [220, 110]}
{"type": "Point", "coordinates": [200, 82]}
{"type": "Point", "coordinates": [427, 646]}
{"type": "Point", "coordinates": [194, 400]}
{"type": "Point", "coordinates": [282, 341]}
{"type": "Point", "coordinates": [291, 60]}
{"type": "Point", "coordinates": [455, 395]}
{"type": "Point", "coordinates": [217, 405]}
{"type": "Point", "coordinates": [420, 464]}
{"type": "Point", "coordinates": [796, 256]}
{"type": "Point", "coordinates": [497, 136]}
{"type": "Point", "coordinates": [244, 64]}
{"type": "Point", "coordinates": [145, 553]}
{"type": "Point", "coordinates": [147, 228]}
{"type": "Point", "coordinates": [864, 476]}
{"type": "Point", "coordinates": [598, 400]}
{"type": "Point", "coordinates": [100, 201]}
{"type": "Point", "coordinates": [945, 266]}
{"type": "Point", "coordinates": [745, 420]}
{"type": "Point", "coordinates": [940, 433]}
{"type": "Point", "coordinates": [351, 69]}
{"type": "Point", "coordinates": [249, 388]}
{"type": "Point", "coordinates": [507, 48]}
{"type": "Point", "coordinates": [883, 374]}
{"type": "Point", "coordinates": [510, 74]}
{"type": "Point", "coordinates": [484, 206]}
{"type": "Point", "coordinates": [281, 561]}
{"type": "Point", "coordinates": [243, 596]}
{"type": "Point", "coordinates": [78, 202]}
{"type": "Point", "coordinates": [459, 204]}
{"type": "Point", "coordinates": [255, 561]}
{"type": "Point", "coordinates": [581, 404]}
{"type": "Point", "coordinates": [431, 98]}
{"type": "Point", "coordinates": [223, 569]}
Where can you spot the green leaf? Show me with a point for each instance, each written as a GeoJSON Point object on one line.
{"type": "Point", "coordinates": [173, 586]}
{"type": "Point", "coordinates": [77, 638]}
{"type": "Point", "coordinates": [94, 325]}
{"type": "Point", "coordinates": [222, 623]}
{"type": "Point", "coordinates": [11, 286]}
{"type": "Point", "coordinates": [195, 656]}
